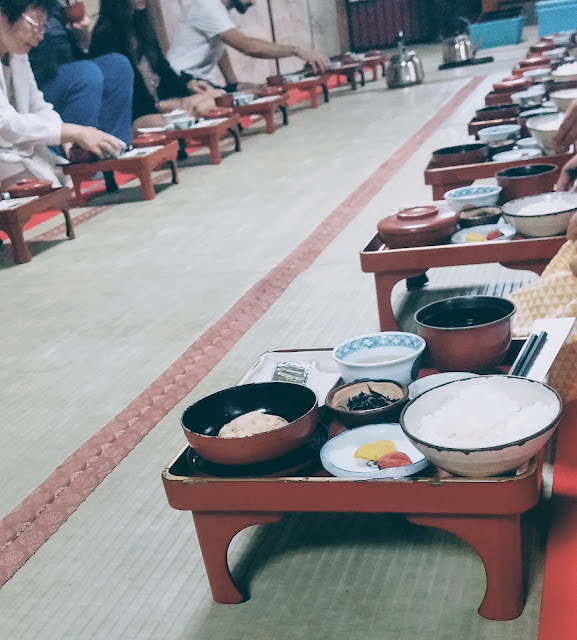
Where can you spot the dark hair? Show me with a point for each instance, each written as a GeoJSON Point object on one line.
{"type": "Point", "coordinates": [132, 30]}
{"type": "Point", "coordinates": [13, 9]}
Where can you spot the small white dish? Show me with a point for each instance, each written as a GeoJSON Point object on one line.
{"type": "Point", "coordinates": [337, 454]}
{"type": "Point", "coordinates": [436, 380]}
{"type": "Point", "coordinates": [517, 154]}
{"type": "Point", "coordinates": [507, 230]}
{"type": "Point", "coordinates": [145, 130]}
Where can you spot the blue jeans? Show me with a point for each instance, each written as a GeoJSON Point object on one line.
{"type": "Point", "coordinates": [94, 93]}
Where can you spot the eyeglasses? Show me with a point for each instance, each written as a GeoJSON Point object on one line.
{"type": "Point", "coordinates": [38, 28]}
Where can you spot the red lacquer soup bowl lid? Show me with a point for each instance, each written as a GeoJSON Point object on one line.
{"type": "Point", "coordinates": [416, 223]}
{"type": "Point", "coordinates": [29, 187]}
{"type": "Point", "coordinates": [266, 92]}
{"type": "Point", "coordinates": [219, 112]}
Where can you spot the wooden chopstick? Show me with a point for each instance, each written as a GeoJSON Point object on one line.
{"type": "Point", "coordinates": [521, 359]}
{"type": "Point", "coordinates": [532, 355]}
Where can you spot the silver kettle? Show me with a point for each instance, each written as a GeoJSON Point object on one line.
{"type": "Point", "coordinates": [405, 67]}
{"type": "Point", "coordinates": [459, 49]}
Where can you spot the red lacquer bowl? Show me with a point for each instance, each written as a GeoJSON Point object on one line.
{"type": "Point", "coordinates": [149, 140]}
{"type": "Point", "coordinates": [417, 227]}
{"type": "Point", "coordinates": [29, 187]}
{"type": "Point", "coordinates": [203, 420]}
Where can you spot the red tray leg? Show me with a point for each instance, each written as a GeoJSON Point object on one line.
{"type": "Point", "coordinates": [215, 532]}
{"type": "Point", "coordinates": [497, 541]}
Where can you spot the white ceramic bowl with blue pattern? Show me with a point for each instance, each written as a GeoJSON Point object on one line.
{"type": "Point", "coordinates": [481, 196]}
{"type": "Point", "coordinates": [390, 355]}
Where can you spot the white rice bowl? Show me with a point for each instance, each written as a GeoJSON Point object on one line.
{"type": "Point", "coordinates": [482, 426]}
{"type": "Point", "coordinates": [542, 215]}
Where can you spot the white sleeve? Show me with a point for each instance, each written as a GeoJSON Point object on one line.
{"type": "Point", "coordinates": [41, 125]}
{"type": "Point", "coordinates": [210, 17]}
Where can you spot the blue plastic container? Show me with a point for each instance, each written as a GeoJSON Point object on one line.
{"type": "Point", "coordinates": [556, 15]}
{"type": "Point", "coordinates": [498, 33]}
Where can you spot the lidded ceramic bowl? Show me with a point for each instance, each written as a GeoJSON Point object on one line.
{"type": "Point", "coordinates": [417, 227]}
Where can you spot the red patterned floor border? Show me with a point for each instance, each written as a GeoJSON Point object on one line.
{"type": "Point", "coordinates": [41, 514]}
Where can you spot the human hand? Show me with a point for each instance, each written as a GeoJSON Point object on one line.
{"type": "Point", "coordinates": [101, 144]}
{"type": "Point", "coordinates": [317, 60]}
{"type": "Point", "coordinates": [197, 104]}
{"type": "Point", "coordinates": [567, 133]}
{"type": "Point", "coordinates": [567, 177]}
{"type": "Point", "coordinates": [198, 86]}
{"type": "Point", "coordinates": [81, 32]}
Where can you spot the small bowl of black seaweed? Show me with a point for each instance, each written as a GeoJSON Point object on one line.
{"type": "Point", "coordinates": [368, 402]}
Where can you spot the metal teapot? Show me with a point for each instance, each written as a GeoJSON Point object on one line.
{"type": "Point", "coordinates": [405, 67]}
{"type": "Point", "coordinates": [459, 49]}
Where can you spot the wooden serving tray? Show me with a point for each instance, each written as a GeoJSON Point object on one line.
{"type": "Point", "coordinates": [442, 179]}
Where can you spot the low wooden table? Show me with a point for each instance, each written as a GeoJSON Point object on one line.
{"type": "Point", "coordinates": [141, 166]}
{"type": "Point", "coordinates": [392, 265]}
{"type": "Point", "coordinates": [374, 62]}
{"type": "Point", "coordinates": [485, 513]}
{"type": "Point", "coordinates": [497, 97]}
{"type": "Point", "coordinates": [442, 179]}
{"type": "Point", "coordinates": [350, 72]}
{"type": "Point", "coordinates": [266, 108]}
{"type": "Point", "coordinates": [12, 221]}
{"type": "Point", "coordinates": [208, 133]}
{"type": "Point", "coordinates": [312, 85]}
{"type": "Point", "coordinates": [477, 123]}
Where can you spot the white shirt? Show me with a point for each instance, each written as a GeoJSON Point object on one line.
{"type": "Point", "coordinates": [26, 126]}
{"type": "Point", "coordinates": [196, 47]}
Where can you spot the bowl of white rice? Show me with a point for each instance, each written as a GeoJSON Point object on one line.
{"type": "Point", "coordinates": [543, 215]}
{"type": "Point", "coordinates": [484, 426]}
{"type": "Point", "coordinates": [543, 129]}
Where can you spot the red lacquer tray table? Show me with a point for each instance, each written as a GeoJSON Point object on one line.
{"type": "Point", "coordinates": [208, 133]}
{"type": "Point", "coordinates": [442, 179]}
{"type": "Point", "coordinates": [350, 71]}
{"type": "Point", "coordinates": [497, 97]}
{"type": "Point", "coordinates": [312, 86]}
{"type": "Point", "coordinates": [392, 265]}
{"type": "Point", "coordinates": [141, 166]}
{"type": "Point", "coordinates": [373, 63]}
{"type": "Point", "coordinates": [12, 221]}
{"type": "Point", "coordinates": [476, 124]}
{"type": "Point", "coordinates": [266, 108]}
{"type": "Point", "coordinates": [485, 513]}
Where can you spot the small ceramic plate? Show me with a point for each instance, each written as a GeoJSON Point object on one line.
{"type": "Point", "coordinates": [337, 454]}
{"type": "Point", "coordinates": [151, 130]}
{"type": "Point", "coordinates": [517, 154]}
{"type": "Point", "coordinates": [506, 229]}
{"type": "Point", "coordinates": [436, 380]}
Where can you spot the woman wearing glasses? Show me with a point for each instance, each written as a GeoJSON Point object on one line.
{"type": "Point", "coordinates": [28, 124]}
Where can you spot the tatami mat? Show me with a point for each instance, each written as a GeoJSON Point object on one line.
{"type": "Point", "coordinates": [96, 320]}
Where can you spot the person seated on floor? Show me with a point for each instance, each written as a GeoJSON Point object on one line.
{"type": "Point", "coordinates": [95, 93]}
{"type": "Point", "coordinates": [566, 136]}
{"type": "Point", "coordinates": [205, 29]}
{"type": "Point", "coordinates": [124, 26]}
{"type": "Point", "coordinates": [28, 124]}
